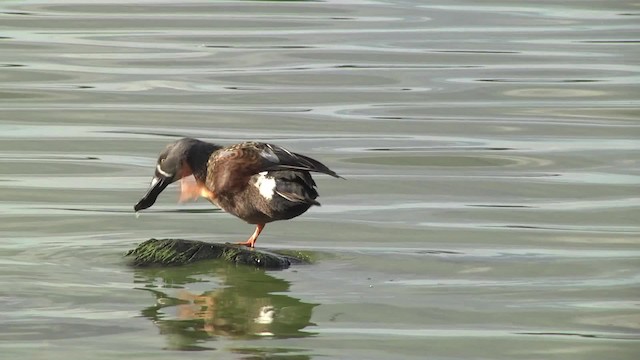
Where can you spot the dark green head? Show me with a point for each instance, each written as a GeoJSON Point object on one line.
{"type": "Point", "coordinates": [179, 159]}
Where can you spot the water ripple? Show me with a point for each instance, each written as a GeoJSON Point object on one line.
{"type": "Point", "coordinates": [490, 151]}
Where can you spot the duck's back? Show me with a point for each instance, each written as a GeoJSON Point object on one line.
{"type": "Point", "coordinates": [261, 183]}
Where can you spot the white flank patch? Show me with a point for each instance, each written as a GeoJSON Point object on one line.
{"type": "Point", "coordinates": [162, 171]}
{"type": "Point", "coordinates": [266, 185]}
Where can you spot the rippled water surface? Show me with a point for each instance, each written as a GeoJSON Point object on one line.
{"type": "Point", "coordinates": [490, 148]}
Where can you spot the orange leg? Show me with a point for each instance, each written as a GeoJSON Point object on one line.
{"type": "Point", "coordinates": [252, 240]}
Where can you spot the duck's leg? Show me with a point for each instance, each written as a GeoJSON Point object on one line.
{"type": "Point", "coordinates": [252, 240]}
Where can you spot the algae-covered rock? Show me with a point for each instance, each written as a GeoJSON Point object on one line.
{"type": "Point", "coordinates": [173, 252]}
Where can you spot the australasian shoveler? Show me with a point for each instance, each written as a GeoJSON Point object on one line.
{"type": "Point", "coordinates": [257, 182]}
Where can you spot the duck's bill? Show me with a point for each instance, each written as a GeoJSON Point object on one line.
{"type": "Point", "coordinates": [157, 185]}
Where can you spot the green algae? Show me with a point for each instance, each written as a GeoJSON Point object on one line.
{"type": "Point", "coordinates": [176, 252]}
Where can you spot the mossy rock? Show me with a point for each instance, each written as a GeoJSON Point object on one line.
{"type": "Point", "coordinates": [175, 252]}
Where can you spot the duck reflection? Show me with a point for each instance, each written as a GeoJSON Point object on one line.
{"type": "Point", "coordinates": [200, 302]}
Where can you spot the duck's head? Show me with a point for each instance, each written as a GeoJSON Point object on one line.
{"type": "Point", "coordinates": [167, 171]}
{"type": "Point", "coordinates": [178, 160]}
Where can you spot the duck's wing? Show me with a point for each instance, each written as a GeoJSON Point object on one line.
{"type": "Point", "coordinates": [234, 165]}
{"type": "Point", "coordinates": [256, 157]}
{"type": "Point", "coordinates": [278, 158]}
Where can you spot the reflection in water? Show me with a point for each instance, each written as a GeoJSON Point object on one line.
{"type": "Point", "coordinates": [245, 303]}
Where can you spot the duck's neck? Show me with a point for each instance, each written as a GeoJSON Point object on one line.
{"type": "Point", "coordinates": [199, 157]}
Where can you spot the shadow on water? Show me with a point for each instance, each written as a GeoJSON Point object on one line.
{"type": "Point", "coordinates": [199, 303]}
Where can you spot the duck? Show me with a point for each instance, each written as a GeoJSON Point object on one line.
{"type": "Point", "coordinates": [254, 181]}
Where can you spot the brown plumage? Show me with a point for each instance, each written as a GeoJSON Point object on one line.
{"type": "Point", "coordinates": [257, 182]}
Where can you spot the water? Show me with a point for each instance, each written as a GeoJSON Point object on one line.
{"type": "Point", "coordinates": [491, 150]}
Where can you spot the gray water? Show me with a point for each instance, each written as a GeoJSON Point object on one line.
{"type": "Point", "coordinates": [491, 153]}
